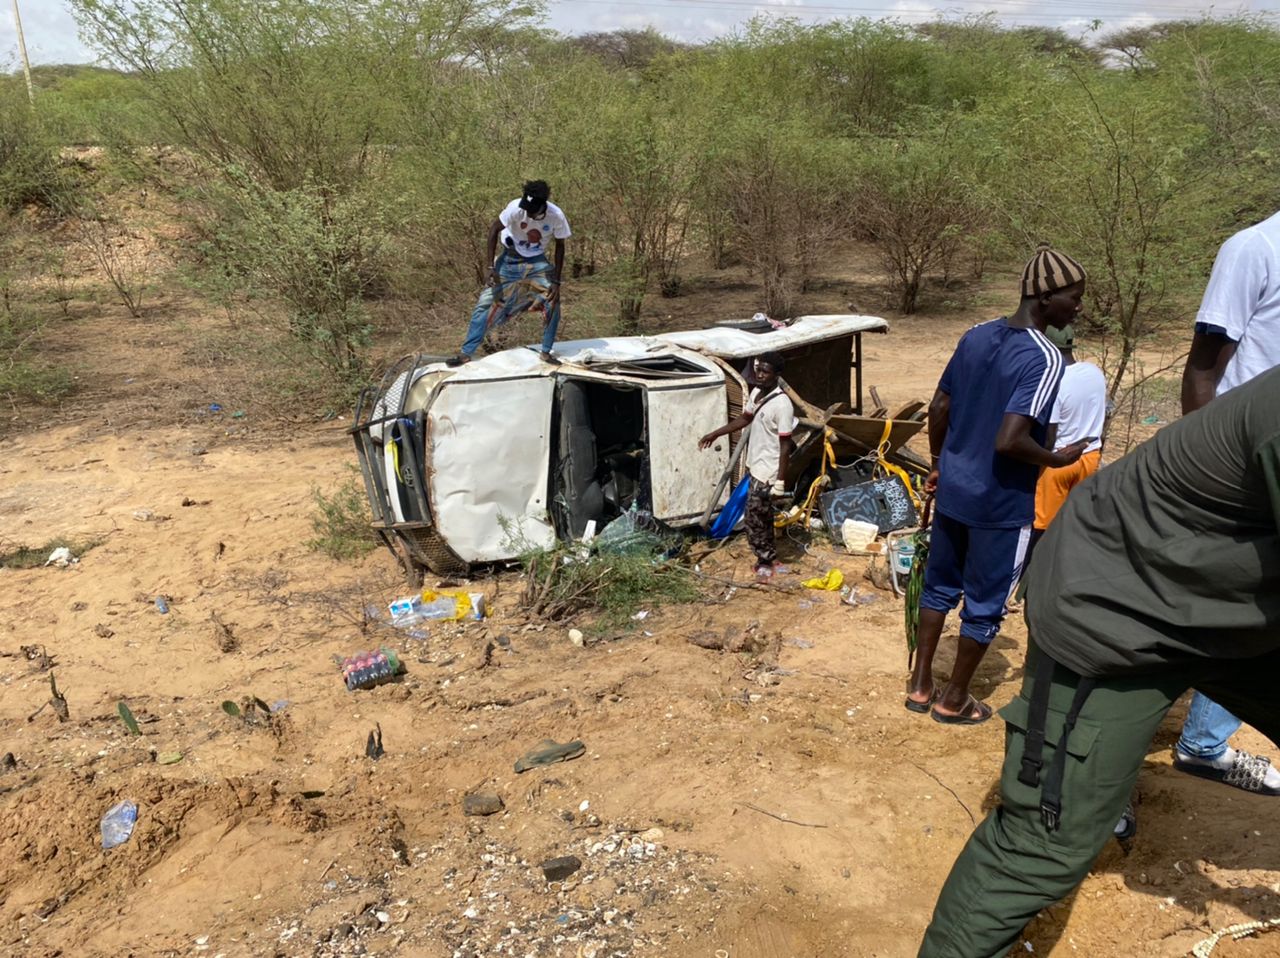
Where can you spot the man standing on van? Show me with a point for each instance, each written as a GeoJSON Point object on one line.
{"type": "Point", "coordinates": [521, 277]}
{"type": "Point", "coordinates": [771, 417]}
{"type": "Point", "coordinates": [987, 428]}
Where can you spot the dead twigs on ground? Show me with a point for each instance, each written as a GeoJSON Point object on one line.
{"type": "Point", "coordinates": [781, 818]}
{"type": "Point", "coordinates": [972, 820]}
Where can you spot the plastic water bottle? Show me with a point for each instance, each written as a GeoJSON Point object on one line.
{"type": "Point", "coordinates": [364, 670]}
{"type": "Point", "coordinates": [117, 824]}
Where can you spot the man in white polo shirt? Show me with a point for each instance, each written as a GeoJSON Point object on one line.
{"type": "Point", "coordinates": [1237, 337]}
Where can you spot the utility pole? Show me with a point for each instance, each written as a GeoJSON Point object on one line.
{"type": "Point", "coordinates": [22, 48]}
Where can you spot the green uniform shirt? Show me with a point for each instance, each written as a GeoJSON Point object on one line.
{"type": "Point", "coordinates": [1173, 553]}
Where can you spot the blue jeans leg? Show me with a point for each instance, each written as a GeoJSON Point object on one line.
{"type": "Point", "coordinates": [553, 322]}
{"type": "Point", "coordinates": [1207, 728]}
{"type": "Point", "coordinates": [479, 319]}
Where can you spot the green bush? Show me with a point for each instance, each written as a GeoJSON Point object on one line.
{"type": "Point", "coordinates": [22, 376]}
{"type": "Point", "coordinates": [341, 521]}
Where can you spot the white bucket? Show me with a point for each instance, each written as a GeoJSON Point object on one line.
{"type": "Point", "coordinates": [902, 554]}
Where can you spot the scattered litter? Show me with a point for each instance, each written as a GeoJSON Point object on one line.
{"type": "Point", "coordinates": [584, 805]}
{"type": "Point", "coordinates": [169, 758]}
{"type": "Point", "coordinates": [630, 534]}
{"type": "Point", "coordinates": [1152, 420]}
{"type": "Point", "coordinates": [857, 535]}
{"type": "Point", "coordinates": [117, 824]}
{"type": "Point", "coordinates": [1235, 933]}
{"type": "Point", "coordinates": [482, 803]}
{"type": "Point", "coordinates": [61, 557]}
{"type": "Point", "coordinates": [849, 595]}
{"type": "Point", "coordinates": [162, 605]}
{"type": "Point", "coordinates": [279, 706]}
{"type": "Point", "coordinates": [577, 638]}
{"type": "Point", "coordinates": [549, 752]}
{"type": "Point", "coordinates": [126, 716]}
{"type": "Point", "coordinates": [798, 643]}
{"type": "Point", "coordinates": [238, 414]}
{"type": "Point", "coordinates": [640, 616]}
{"type": "Point", "coordinates": [450, 606]}
{"type": "Point", "coordinates": [146, 515]}
{"type": "Point", "coordinates": [373, 745]}
{"type": "Point", "coordinates": [827, 583]}
{"type": "Point", "coordinates": [364, 670]}
{"type": "Point", "coordinates": [558, 869]}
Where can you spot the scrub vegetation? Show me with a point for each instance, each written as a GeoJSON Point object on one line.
{"type": "Point", "coordinates": [334, 166]}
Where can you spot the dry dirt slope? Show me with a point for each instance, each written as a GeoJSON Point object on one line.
{"type": "Point", "coordinates": [285, 839]}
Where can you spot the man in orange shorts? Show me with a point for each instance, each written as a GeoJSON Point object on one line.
{"type": "Point", "coordinates": [1079, 413]}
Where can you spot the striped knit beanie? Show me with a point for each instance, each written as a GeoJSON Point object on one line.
{"type": "Point", "coordinates": [1050, 270]}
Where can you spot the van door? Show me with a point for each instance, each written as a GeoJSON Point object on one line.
{"type": "Point", "coordinates": [488, 464]}
{"type": "Point", "coordinates": [682, 476]}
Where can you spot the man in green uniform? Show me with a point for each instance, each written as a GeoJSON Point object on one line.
{"type": "Point", "coordinates": [1161, 572]}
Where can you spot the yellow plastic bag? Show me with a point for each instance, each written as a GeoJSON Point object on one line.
{"type": "Point", "coordinates": [449, 606]}
{"type": "Point", "coordinates": [828, 583]}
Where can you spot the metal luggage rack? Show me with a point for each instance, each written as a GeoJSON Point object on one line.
{"type": "Point", "coordinates": [414, 542]}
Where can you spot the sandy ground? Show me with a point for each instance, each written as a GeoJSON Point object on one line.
{"type": "Point", "coordinates": [285, 839]}
{"type": "Point", "coordinates": [737, 805]}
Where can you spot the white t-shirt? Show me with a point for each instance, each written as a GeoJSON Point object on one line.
{"type": "Point", "coordinates": [1243, 300]}
{"type": "Point", "coordinates": [775, 418]}
{"type": "Point", "coordinates": [530, 237]}
{"type": "Point", "coordinates": [1081, 408]}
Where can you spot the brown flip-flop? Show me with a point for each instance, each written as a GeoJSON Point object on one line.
{"type": "Point", "coordinates": [920, 708]}
{"type": "Point", "coordinates": [974, 713]}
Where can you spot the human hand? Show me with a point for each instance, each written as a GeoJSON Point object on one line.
{"type": "Point", "coordinates": [706, 440]}
{"type": "Point", "coordinates": [553, 297]}
{"type": "Point", "coordinates": [931, 482]}
{"type": "Point", "coordinates": [1072, 453]}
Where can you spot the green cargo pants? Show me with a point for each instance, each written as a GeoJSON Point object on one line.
{"type": "Point", "coordinates": [1013, 866]}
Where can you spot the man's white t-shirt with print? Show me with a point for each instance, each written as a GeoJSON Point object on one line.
{"type": "Point", "coordinates": [1242, 301]}
{"type": "Point", "coordinates": [528, 236]}
{"type": "Point", "coordinates": [1080, 411]}
{"type": "Point", "coordinates": [775, 419]}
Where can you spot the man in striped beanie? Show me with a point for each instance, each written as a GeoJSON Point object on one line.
{"type": "Point", "coordinates": [987, 428]}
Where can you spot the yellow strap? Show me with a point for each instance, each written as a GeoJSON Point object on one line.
{"type": "Point", "coordinates": [889, 467]}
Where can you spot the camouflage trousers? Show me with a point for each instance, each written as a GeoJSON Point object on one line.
{"type": "Point", "coordinates": [759, 522]}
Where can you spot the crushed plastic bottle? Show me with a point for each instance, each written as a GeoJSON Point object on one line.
{"type": "Point", "coordinates": [117, 824]}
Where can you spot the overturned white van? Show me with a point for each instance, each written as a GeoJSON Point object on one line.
{"type": "Point", "coordinates": [469, 465]}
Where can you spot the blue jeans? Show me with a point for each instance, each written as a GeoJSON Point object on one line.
{"type": "Point", "coordinates": [1207, 728]}
{"type": "Point", "coordinates": [523, 284]}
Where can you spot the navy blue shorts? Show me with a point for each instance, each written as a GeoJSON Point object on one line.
{"type": "Point", "coordinates": [981, 565]}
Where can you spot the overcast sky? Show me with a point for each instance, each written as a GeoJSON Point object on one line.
{"type": "Point", "coordinates": [51, 31]}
